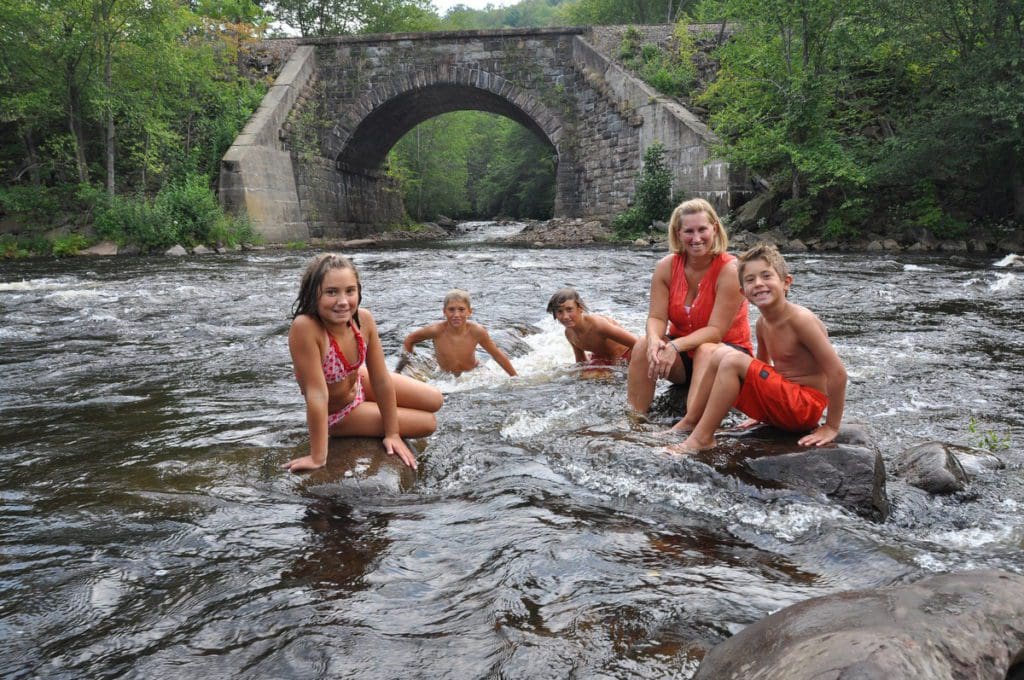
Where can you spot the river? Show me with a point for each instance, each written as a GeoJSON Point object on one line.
{"type": "Point", "coordinates": [147, 404]}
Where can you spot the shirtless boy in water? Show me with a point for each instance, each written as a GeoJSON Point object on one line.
{"type": "Point", "coordinates": [607, 342]}
{"type": "Point", "coordinates": [796, 373]}
{"type": "Point", "coordinates": [456, 338]}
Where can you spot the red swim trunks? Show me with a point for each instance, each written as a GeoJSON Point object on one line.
{"type": "Point", "coordinates": [768, 397]}
{"type": "Point", "coordinates": [596, 361]}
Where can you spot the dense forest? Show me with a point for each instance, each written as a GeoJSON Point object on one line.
{"type": "Point", "coordinates": [854, 115]}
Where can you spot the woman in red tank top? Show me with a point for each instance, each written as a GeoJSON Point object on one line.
{"type": "Point", "coordinates": [696, 303]}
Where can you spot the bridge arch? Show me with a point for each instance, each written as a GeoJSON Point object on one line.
{"type": "Point", "coordinates": [296, 179]}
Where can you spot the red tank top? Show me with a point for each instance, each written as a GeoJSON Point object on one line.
{"type": "Point", "coordinates": [683, 322]}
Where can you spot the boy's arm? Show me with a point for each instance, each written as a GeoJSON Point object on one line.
{"type": "Point", "coordinates": [615, 332]}
{"type": "Point", "coordinates": [578, 353]}
{"type": "Point", "coordinates": [428, 332]}
{"type": "Point", "coordinates": [811, 332]}
{"type": "Point", "coordinates": [483, 338]}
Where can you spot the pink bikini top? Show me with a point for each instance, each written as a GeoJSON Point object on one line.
{"type": "Point", "coordinates": [336, 367]}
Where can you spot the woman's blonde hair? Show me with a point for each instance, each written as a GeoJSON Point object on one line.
{"type": "Point", "coordinates": [692, 207]}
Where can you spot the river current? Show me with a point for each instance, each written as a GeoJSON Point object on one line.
{"type": "Point", "coordinates": [147, 404]}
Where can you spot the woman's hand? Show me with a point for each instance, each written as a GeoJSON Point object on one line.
{"type": "Point", "coordinates": [661, 355]}
{"type": "Point", "coordinates": [395, 445]}
{"type": "Point", "coordinates": [303, 464]}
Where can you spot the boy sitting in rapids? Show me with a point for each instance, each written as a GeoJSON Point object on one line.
{"type": "Point", "coordinates": [456, 338]}
{"type": "Point", "coordinates": [796, 373]}
{"type": "Point", "coordinates": [607, 342]}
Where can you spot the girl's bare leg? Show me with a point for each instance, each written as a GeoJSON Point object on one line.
{"type": "Point", "coordinates": [365, 421]}
{"type": "Point", "coordinates": [705, 366]}
{"type": "Point", "coordinates": [409, 393]}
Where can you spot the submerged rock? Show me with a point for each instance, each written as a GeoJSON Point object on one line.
{"type": "Point", "coordinates": [360, 465]}
{"type": "Point", "coordinates": [933, 467]}
{"type": "Point", "coordinates": [966, 625]}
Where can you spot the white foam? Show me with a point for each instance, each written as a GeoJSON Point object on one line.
{"type": "Point", "coordinates": [973, 537]}
{"type": "Point", "coordinates": [1011, 260]}
{"type": "Point", "coordinates": [916, 268]}
{"type": "Point", "coordinates": [1004, 281]}
{"type": "Point", "coordinates": [32, 284]}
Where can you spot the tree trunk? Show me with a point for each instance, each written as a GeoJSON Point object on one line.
{"type": "Point", "coordinates": [109, 113]}
{"type": "Point", "coordinates": [32, 157]}
{"type": "Point", "coordinates": [1017, 180]}
{"type": "Point", "coordinates": [75, 127]}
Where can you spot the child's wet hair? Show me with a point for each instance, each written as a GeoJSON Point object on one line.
{"type": "Point", "coordinates": [692, 207]}
{"type": "Point", "coordinates": [313, 282]}
{"type": "Point", "coordinates": [767, 252]}
{"type": "Point", "coordinates": [563, 295]}
{"type": "Point", "coordinates": [460, 295]}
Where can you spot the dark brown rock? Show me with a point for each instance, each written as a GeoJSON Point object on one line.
{"type": "Point", "coordinates": [947, 627]}
{"type": "Point", "coordinates": [933, 467]}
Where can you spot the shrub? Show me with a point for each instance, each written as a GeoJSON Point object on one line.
{"type": "Point", "coordinates": [653, 196]}
{"type": "Point", "coordinates": [191, 207]}
{"type": "Point", "coordinates": [67, 245]}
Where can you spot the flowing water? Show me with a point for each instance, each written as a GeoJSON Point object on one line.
{"type": "Point", "coordinates": [147, 404]}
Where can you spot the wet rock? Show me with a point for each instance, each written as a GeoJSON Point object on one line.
{"type": "Point", "coordinates": [796, 246]}
{"type": "Point", "coordinates": [176, 251]}
{"type": "Point", "coordinates": [359, 465]}
{"type": "Point", "coordinates": [357, 243]}
{"type": "Point", "coordinates": [201, 250]}
{"type": "Point", "coordinates": [875, 247]}
{"type": "Point", "coordinates": [953, 246]}
{"type": "Point", "coordinates": [445, 222]}
{"type": "Point", "coordinates": [933, 467]}
{"type": "Point", "coordinates": [891, 245]}
{"type": "Point", "coordinates": [848, 474]}
{"type": "Point", "coordinates": [951, 626]}
{"type": "Point", "coordinates": [976, 461]}
{"type": "Point", "coordinates": [102, 248]}
{"type": "Point", "coordinates": [641, 242]}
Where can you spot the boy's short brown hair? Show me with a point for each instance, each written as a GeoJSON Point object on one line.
{"type": "Point", "coordinates": [767, 252]}
{"type": "Point", "coordinates": [458, 294]}
{"type": "Point", "coordinates": [563, 295]}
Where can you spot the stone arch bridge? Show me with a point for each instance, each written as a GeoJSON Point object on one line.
{"type": "Point", "coordinates": [311, 160]}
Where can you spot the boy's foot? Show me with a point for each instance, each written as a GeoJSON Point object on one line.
{"type": "Point", "coordinates": [679, 450]}
{"type": "Point", "coordinates": [691, 446]}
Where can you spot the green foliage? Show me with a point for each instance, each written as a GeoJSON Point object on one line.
{"type": "Point", "coordinates": [669, 71]}
{"type": "Point", "coordinates": [989, 440]}
{"type": "Point", "coordinates": [11, 248]}
{"type": "Point", "coordinates": [68, 244]}
{"type": "Point", "coordinates": [653, 199]}
{"type": "Point", "coordinates": [474, 164]}
{"type": "Point", "coordinates": [607, 12]}
{"type": "Point", "coordinates": [29, 202]}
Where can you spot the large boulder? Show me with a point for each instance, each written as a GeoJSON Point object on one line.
{"type": "Point", "coordinates": [933, 467]}
{"type": "Point", "coordinates": [947, 627]}
{"type": "Point", "coordinates": [848, 472]}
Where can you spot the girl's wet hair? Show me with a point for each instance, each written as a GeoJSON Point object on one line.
{"type": "Point", "coordinates": [313, 282]}
{"type": "Point", "coordinates": [563, 295]}
{"type": "Point", "coordinates": [692, 207]}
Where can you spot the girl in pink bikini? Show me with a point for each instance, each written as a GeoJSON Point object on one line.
{"type": "Point", "coordinates": [339, 365]}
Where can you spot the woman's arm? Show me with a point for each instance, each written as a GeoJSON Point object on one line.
{"type": "Point", "coordinates": [303, 345]}
{"type": "Point", "coordinates": [660, 355]}
{"type": "Point", "coordinates": [728, 298]}
{"type": "Point", "coordinates": [384, 390]}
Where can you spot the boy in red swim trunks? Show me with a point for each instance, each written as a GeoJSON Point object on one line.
{"type": "Point", "coordinates": [794, 378]}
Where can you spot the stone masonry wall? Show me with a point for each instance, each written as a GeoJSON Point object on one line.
{"type": "Point", "coordinates": [366, 92]}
